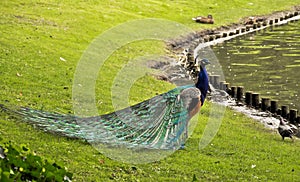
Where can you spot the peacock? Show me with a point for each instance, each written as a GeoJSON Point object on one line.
{"type": "Point", "coordinates": [160, 122]}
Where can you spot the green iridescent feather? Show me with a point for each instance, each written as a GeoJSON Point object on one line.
{"type": "Point", "coordinates": [157, 123]}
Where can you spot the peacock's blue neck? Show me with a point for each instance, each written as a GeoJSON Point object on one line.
{"type": "Point", "coordinates": [202, 83]}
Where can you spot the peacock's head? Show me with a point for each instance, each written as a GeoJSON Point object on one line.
{"type": "Point", "coordinates": [204, 62]}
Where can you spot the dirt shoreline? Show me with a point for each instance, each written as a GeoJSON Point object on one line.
{"type": "Point", "coordinates": [192, 40]}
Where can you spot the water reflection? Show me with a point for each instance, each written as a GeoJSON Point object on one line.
{"type": "Point", "coordinates": [267, 61]}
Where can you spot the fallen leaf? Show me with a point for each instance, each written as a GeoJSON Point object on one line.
{"type": "Point", "coordinates": [101, 161]}
{"type": "Point", "coordinates": [62, 59]}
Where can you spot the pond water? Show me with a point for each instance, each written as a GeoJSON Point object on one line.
{"type": "Point", "coordinates": [266, 61]}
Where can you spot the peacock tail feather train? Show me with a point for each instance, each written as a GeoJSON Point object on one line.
{"type": "Point", "coordinates": [158, 123]}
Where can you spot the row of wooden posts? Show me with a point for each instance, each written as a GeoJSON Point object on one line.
{"type": "Point", "coordinates": [248, 27]}
{"type": "Point", "coordinates": [252, 99]}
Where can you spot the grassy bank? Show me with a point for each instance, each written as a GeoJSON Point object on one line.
{"type": "Point", "coordinates": [41, 44]}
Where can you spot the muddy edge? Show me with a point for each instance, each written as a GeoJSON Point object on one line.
{"type": "Point", "coordinates": [192, 40]}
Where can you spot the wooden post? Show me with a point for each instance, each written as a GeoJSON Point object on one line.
{"type": "Point", "coordinates": [216, 81]}
{"type": "Point", "coordinates": [284, 111]}
{"type": "Point", "coordinates": [231, 33]}
{"type": "Point", "coordinates": [298, 120]}
{"type": "Point", "coordinates": [271, 22]}
{"type": "Point", "coordinates": [227, 87]}
{"type": "Point", "coordinates": [248, 98]}
{"type": "Point", "coordinates": [265, 23]}
{"type": "Point", "coordinates": [233, 91]}
{"type": "Point", "coordinates": [258, 25]}
{"type": "Point", "coordinates": [293, 115]}
{"type": "Point", "coordinates": [240, 93]}
{"type": "Point", "coordinates": [265, 104]}
{"type": "Point", "coordinates": [248, 27]}
{"type": "Point", "coordinates": [206, 39]}
{"type": "Point", "coordinates": [222, 85]}
{"type": "Point", "coordinates": [255, 100]}
{"type": "Point", "coordinates": [212, 80]}
{"type": "Point", "coordinates": [218, 36]}
{"type": "Point", "coordinates": [278, 112]}
{"type": "Point", "coordinates": [274, 106]}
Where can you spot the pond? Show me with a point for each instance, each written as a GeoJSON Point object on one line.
{"type": "Point", "coordinates": [266, 61]}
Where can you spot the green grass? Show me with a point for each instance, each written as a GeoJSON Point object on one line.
{"type": "Point", "coordinates": [34, 35]}
{"type": "Point", "coordinates": [239, 144]}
